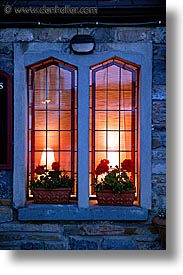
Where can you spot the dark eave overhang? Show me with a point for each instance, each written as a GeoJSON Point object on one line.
{"type": "Point", "coordinates": [109, 13]}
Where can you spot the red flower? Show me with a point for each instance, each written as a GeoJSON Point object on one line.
{"type": "Point", "coordinates": [102, 167]}
{"type": "Point", "coordinates": [127, 165]}
{"type": "Point", "coordinates": [40, 169]}
{"type": "Point", "coordinates": [55, 166]}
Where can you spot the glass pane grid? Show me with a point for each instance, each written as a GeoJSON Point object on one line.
{"type": "Point", "coordinates": [114, 121]}
{"type": "Point", "coordinates": [52, 117]}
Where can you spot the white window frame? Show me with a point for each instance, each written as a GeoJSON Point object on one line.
{"type": "Point", "coordinates": [138, 53]}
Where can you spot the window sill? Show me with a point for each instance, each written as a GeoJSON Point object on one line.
{"type": "Point", "coordinates": [45, 212]}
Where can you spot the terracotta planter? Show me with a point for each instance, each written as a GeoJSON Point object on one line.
{"type": "Point", "coordinates": [161, 225]}
{"type": "Point", "coordinates": [107, 197]}
{"type": "Point", "coordinates": [57, 195]}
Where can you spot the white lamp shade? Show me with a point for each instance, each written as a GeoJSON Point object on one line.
{"type": "Point", "coordinates": [47, 157]}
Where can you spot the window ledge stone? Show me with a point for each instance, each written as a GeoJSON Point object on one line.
{"type": "Point", "coordinates": [44, 212]}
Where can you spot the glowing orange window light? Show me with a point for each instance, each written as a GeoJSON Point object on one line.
{"type": "Point", "coordinates": [47, 157]}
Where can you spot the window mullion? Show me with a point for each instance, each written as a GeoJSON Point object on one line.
{"type": "Point", "coordinates": [83, 137]}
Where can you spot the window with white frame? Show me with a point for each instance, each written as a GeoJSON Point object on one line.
{"type": "Point", "coordinates": [52, 94]}
{"type": "Point", "coordinates": [111, 92]}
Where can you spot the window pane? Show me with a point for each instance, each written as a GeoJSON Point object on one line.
{"type": "Point", "coordinates": [65, 120]}
{"type": "Point", "coordinates": [53, 140]}
{"type": "Point", "coordinates": [53, 79]}
{"type": "Point", "coordinates": [101, 88]}
{"type": "Point", "coordinates": [99, 156]}
{"type": "Point", "coordinates": [113, 120]}
{"type": "Point", "coordinates": [126, 80]}
{"type": "Point", "coordinates": [65, 100]}
{"type": "Point", "coordinates": [125, 120]}
{"type": "Point", "coordinates": [40, 120]}
{"type": "Point", "coordinates": [52, 100]}
{"type": "Point", "coordinates": [40, 79]}
{"type": "Point", "coordinates": [65, 161]}
{"type": "Point", "coordinates": [65, 79]}
{"type": "Point", "coordinates": [65, 89]}
{"type": "Point", "coordinates": [65, 140]}
{"type": "Point", "coordinates": [53, 120]}
{"type": "Point", "coordinates": [101, 99]}
{"type": "Point", "coordinates": [100, 140]}
{"type": "Point", "coordinates": [40, 140]}
{"type": "Point", "coordinates": [39, 99]}
{"type": "Point", "coordinates": [124, 155]}
{"type": "Point", "coordinates": [125, 141]}
{"type": "Point", "coordinates": [100, 120]}
{"type": "Point", "coordinates": [113, 158]}
{"type": "Point", "coordinates": [126, 100]}
{"type": "Point", "coordinates": [113, 140]}
{"type": "Point", "coordinates": [37, 156]}
{"type": "Point", "coordinates": [113, 88]}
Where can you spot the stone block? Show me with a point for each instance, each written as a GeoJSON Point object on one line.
{"type": "Point", "coordinates": [158, 179]}
{"type": "Point", "coordinates": [6, 180]}
{"type": "Point", "coordinates": [23, 35]}
{"type": "Point", "coordinates": [101, 229]}
{"type": "Point", "coordinates": [79, 243]}
{"type": "Point", "coordinates": [28, 245]}
{"type": "Point", "coordinates": [159, 118]}
{"type": "Point", "coordinates": [146, 238]}
{"type": "Point", "coordinates": [6, 214]}
{"type": "Point", "coordinates": [161, 189]}
{"type": "Point", "coordinates": [159, 51]}
{"type": "Point", "coordinates": [102, 35]}
{"type": "Point", "coordinates": [159, 107]}
{"type": "Point", "coordinates": [159, 72]}
{"type": "Point", "coordinates": [9, 245]}
{"type": "Point", "coordinates": [159, 92]}
{"type": "Point", "coordinates": [129, 231]}
{"type": "Point", "coordinates": [132, 34]}
{"type": "Point", "coordinates": [118, 243]}
{"type": "Point", "coordinates": [159, 35]}
{"type": "Point", "coordinates": [50, 245]}
{"type": "Point", "coordinates": [5, 49]}
{"type": "Point", "coordinates": [159, 167]}
{"type": "Point", "coordinates": [6, 35]}
{"type": "Point", "coordinates": [156, 140]}
{"type": "Point", "coordinates": [159, 154]}
{"type": "Point", "coordinates": [32, 227]}
{"type": "Point", "coordinates": [149, 245]}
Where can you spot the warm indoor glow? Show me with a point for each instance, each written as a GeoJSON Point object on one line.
{"type": "Point", "coordinates": [47, 157]}
{"type": "Point", "coordinates": [114, 114]}
{"type": "Point", "coordinates": [113, 158]}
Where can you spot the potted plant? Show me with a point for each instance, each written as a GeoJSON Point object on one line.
{"type": "Point", "coordinates": [114, 186]}
{"type": "Point", "coordinates": [51, 186]}
{"type": "Point", "coordinates": [160, 222]}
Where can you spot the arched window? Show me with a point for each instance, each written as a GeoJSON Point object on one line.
{"type": "Point", "coordinates": [52, 105]}
{"type": "Point", "coordinates": [114, 101]}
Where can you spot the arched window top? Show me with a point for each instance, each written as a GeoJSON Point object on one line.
{"type": "Point", "coordinates": [117, 61]}
{"type": "Point", "coordinates": [49, 62]}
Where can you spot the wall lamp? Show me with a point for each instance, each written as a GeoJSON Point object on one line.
{"type": "Point", "coordinates": [82, 44]}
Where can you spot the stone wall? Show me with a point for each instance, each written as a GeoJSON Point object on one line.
{"type": "Point", "coordinates": [90, 235]}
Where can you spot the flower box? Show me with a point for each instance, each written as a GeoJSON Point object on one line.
{"type": "Point", "coordinates": [107, 197]}
{"type": "Point", "coordinates": [56, 195]}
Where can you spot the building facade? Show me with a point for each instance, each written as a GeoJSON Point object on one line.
{"type": "Point", "coordinates": [84, 225]}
